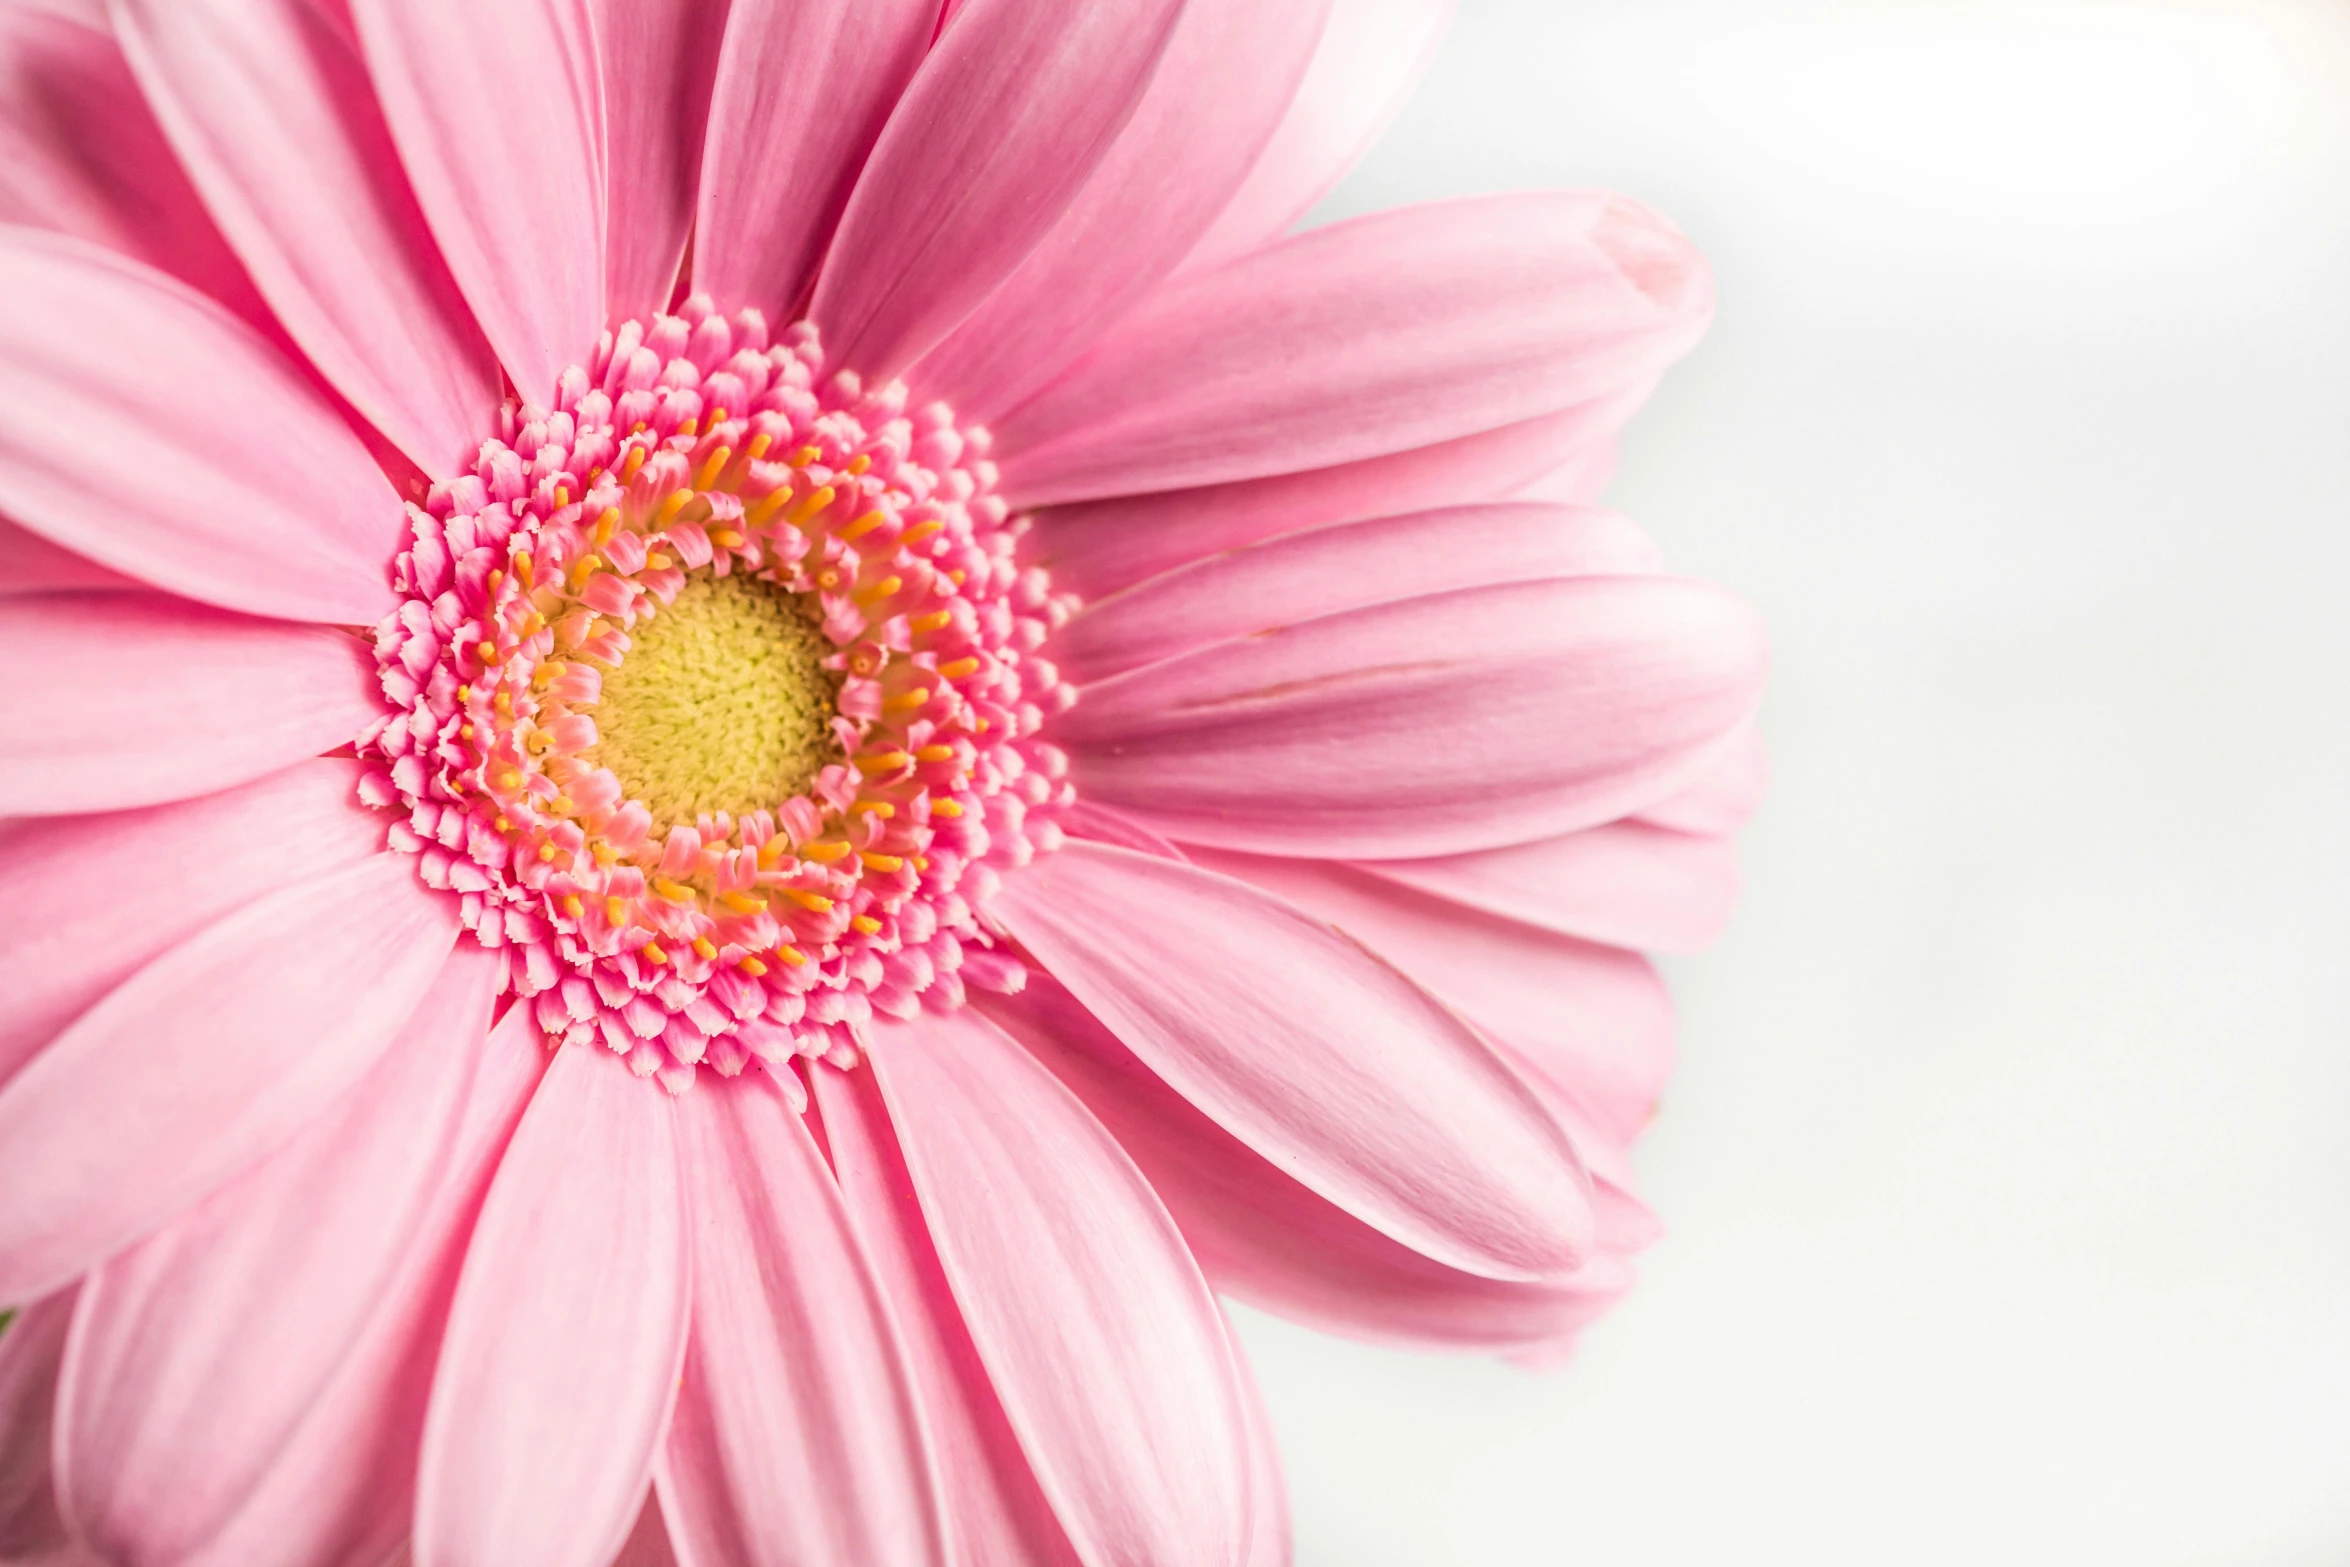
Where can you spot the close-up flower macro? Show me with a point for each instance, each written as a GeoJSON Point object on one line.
{"type": "Point", "coordinates": [740, 742]}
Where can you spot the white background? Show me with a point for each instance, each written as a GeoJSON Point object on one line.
{"type": "Point", "coordinates": [2008, 1166]}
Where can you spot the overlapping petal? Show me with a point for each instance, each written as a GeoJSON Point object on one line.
{"type": "Point", "coordinates": [30, 1352]}
{"type": "Point", "coordinates": [660, 63]}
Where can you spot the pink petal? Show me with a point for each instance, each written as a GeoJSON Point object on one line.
{"type": "Point", "coordinates": [1370, 61]}
{"type": "Point", "coordinates": [648, 1543]}
{"type": "Point", "coordinates": [998, 1513]}
{"type": "Point", "coordinates": [794, 1383]}
{"type": "Point", "coordinates": [1010, 112]}
{"type": "Point", "coordinates": [498, 115]}
{"type": "Point", "coordinates": [155, 433]}
{"type": "Point", "coordinates": [31, 564]}
{"type": "Point", "coordinates": [1433, 726]}
{"type": "Point", "coordinates": [1593, 1019]}
{"type": "Point", "coordinates": [1268, 1544]}
{"type": "Point", "coordinates": [30, 1350]}
{"type": "Point", "coordinates": [1380, 335]}
{"type": "Point", "coordinates": [1326, 571]}
{"type": "Point", "coordinates": [1100, 547]}
{"type": "Point", "coordinates": [80, 153]}
{"type": "Point", "coordinates": [1725, 796]}
{"type": "Point", "coordinates": [268, 105]}
{"type": "Point", "coordinates": [142, 699]}
{"type": "Point", "coordinates": [1227, 77]}
{"type": "Point", "coordinates": [202, 1351]}
{"type": "Point", "coordinates": [776, 176]}
{"type": "Point", "coordinates": [566, 1335]}
{"type": "Point", "coordinates": [74, 936]}
{"type": "Point", "coordinates": [1328, 1063]}
{"type": "Point", "coordinates": [213, 1055]}
{"type": "Point", "coordinates": [1626, 884]}
{"type": "Point", "coordinates": [660, 58]}
{"type": "Point", "coordinates": [1087, 1311]}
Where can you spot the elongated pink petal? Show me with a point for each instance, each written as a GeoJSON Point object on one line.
{"type": "Point", "coordinates": [1626, 884]}
{"type": "Point", "coordinates": [1087, 1311]}
{"type": "Point", "coordinates": [1268, 1544]}
{"type": "Point", "coordinates": [998, 1513]}
{"type": "Point", "coordinates": [1305, 1047]}
{"type": "Point", "coordinates": [1725, 796]}
{"type": "Point", "coordinates": [1371, 59]}
{"type": "Point", "coordinates": [1013, 108]}
{"type": "Point", "coordinates": [1380, 335]}
{"type": "Point", "coordinates": [660, 58]}
{"type": "Point", "coordinates": [648, 1543]}
{"type": "Point", "coordinates": [202, 1351]}
{"type": "Point", "coordinates": [135, 699]}
{"type": "Point", "coordinates": [31, 564]}
{"type": "Point", "coordinates": [1225, 81]}
{"type": "Point", "coordinates": [1326, 571]}
{"type": "Point", "coordinates": [498, 115]}
{"type": "Point", "coordinates": [1434, 726]}
{"type": "Point", "coordinates": [776, 177]}
{"type": "Point", "coordinates": [1594, 1019]}
{"type": "Point", "coordinates": [268, 106]}
{"type": "Point", "coordinates": [795, 1388]}
{"type": "Point", "coordinates": [1259, 1235]}
{"type": "Point", "coordinates": [157, 434]}
{"type": "Point", "coordinates": [80, 153]}
{"type": "Point", "coordinates": [75, 936]}
{"type": "Point", "coordinates": [1100, 547]}
{"type": "Point", "coordinates": [566, 1335]}
{"type": "Point", "coordinates": [30, 1351]}
{"type": "Point", "coordinates": [214, 1055]}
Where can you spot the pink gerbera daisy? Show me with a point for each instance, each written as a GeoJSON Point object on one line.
{"type": "Point", "coordinates": [740, 736]}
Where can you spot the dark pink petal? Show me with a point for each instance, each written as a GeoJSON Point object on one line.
{"type": "Point", "coordinates": [796, 1441]}
{"type": "Point", "coordinates": [30, 1351]}
{"type": "Point", "coordinates": [1226, 79]}
{"type": "Point", "coordinates": [1087, 1311]}
{"type": "Point", "coordinates": [1010, 112]}
{"type": "Point", "coordinates": [565, 1338]}
{"type": "Point", "coordinates": [203, 1351]}
{"type": "Point", "coordinates": [1099, 547]}
{"type": "Point", "coordinates": [74, 935]}
{"type": "Point", "coordinates": [135, 699]}
{"type": "Point", "coordinates": [1328, 1063]}
{"type": "Point", "coordinates": [660, 58]}
{"type": "Point", "coordinates": [268, 106]}
{"type": "Point", "coordinates": [80, 153]}
{"type": "Point", "coordinates": [1326, 571]}
{"type": "Point", "coordinates": [1725, 796]}
{"type": "Point", "coordinates": [1381, 335]}
{"type": "Point", "coordinates": [1627, 884]}
{"type": "Point", "coordinates": [155, 433]}
{"type": "Point", "coordinates": [498, 115]}
{"type": "Point", "coordinates": [211, 1057]}
{"type": "Point", "coordinates": [1438, 725]}
{"type": "Point", "coordinates": [776, 176]}
{"type": "Point", "coordinates": [998, 1513]}
{"type": "Point", "coordinates": [1371, 58]}
{"type": "Point", "coordinates": [648, 1543]}
{"type": "Point", "coordinates": [31, 564]}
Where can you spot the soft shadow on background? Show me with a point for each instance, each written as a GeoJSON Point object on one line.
{"type": "Point", "coordinates": [2008, 1167]}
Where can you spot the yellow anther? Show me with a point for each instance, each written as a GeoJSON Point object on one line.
{"type": "Point", "coordinates": [583, 568]}
{"type": "Point", "coordinates": [674, 892]}
{"type": "Point", "coordinates": [510, 779]}
{"type": "Point", "coordinates": [717, 416]}
{"type": "Point", "coordinates": [935, 753]}
{"type": "Point", "coordinates": [758, 446]}
{"type": "Point", "coordinates": [862, 526]}
{"type": "Point", "coordinates": [726, 539]}
{"type": "Point", "coordinates": [608, 521]}
{"type": "Point", "coordinates": [880, 808]}
{"type": "Point", "coordinates": [605, 854]}
{"type": "Point", "coordinates": [937, 621]}
{"type": "Point", "coordinates": [548, 673]}
{"type": "Point", "coordinates": [804, 456]}
{"type": "Point", "coordinates": [907, 701]}
{"type": "Point", "coordinates": [713, 467]}
{"type": "Point", "coordinates": [465, 731]}
{"type": "Point", "coordinates": [885, 588]}
{"type": "Point", "coordinates": [960, 668]}
{"type": "Point", "coordinates": [946, 808]}
{"type": "Point", "coordinates": [825, 850]}
{"type": "Point", "coordinates": [791, 955]}
{"type": "Point", "coordinates": [546, 852]}
{"type": "Point", "coordinates": [866, 925]}
{"type": "Point", "coordinates": [921, 862]}
{"type": "Point", "coordinates": [658, 562]}
{"type": "Point", "coordinates": [813, 902]}
{"type": "Point", "coordinates": [689, 426]}
{"type": "Point", "coordinates": [884, 863]}
{"type": "Point", "coordinates": [859, 463]}
{"type": "Point", "coordinates": [810, 504]}
{"type": "Point", "coordinates": [958, 576]}
{"type": "Point", "coordinates": [572, 906]}
{"type": "Point", "coordinates": [771, 852]}
{"type": "Point", "coordinates": [503, 825]}
{"type": "Point", "coordinates": [488, 653]}
{"type": "Point", "coordinates": [562, 496]}
{"type": "Point", "coordinates": [651, 952]}
{"type": "Point", "coordinates": [752, 966]}
{"type": "Point", "coordinates": [636, 460]}
{"type": "Point", "coordinates": [497, 579]}
{"type": "Point", "coordinates": [504, 702]}
{"type": "Point", "coordinates": [762, 511]}
{"type": "Point", "coordinates": [465, 693]}
{"type": "Point", "coordinates": [532, 624]}
{"type": "Point", "coordinates": [524, 569]}
{"type": "Point", "coordinates": [922, 530]}
{"type": "Point", "coordinates": [744, 902]}
{"type": "Point", "coordinates": [709, 954]}
{"type": "Point", "coordinates": [886, 762]}
{"type": "Point", "coordinates": [670, 507]}
{"type": "Point", "coordinates": [616, 911]}
{"type": "Point", "coordinates": [561, 806]}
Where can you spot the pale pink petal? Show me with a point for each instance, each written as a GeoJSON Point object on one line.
{"type": "Point", "coordinates": [648, 1543]}
{"type": "Point", "coordinates": [1228, 75]}
{"type": "Point", "coordinates": [1434, 726]}
{"type": "Point", "coordinates": [1372, 57]}
{"type": "Point", "coordinates": [74, 936]}
{"type": "Point", "coordinates": [1326, 571]}
{"type": "Point", "coordinates": [1099, 547]}
{"type": "Point", "coordinates": [795, 1387]}
{"type": "Point", "coordinates": [1627, 884]}
{"type": "Point", "coordinates": [80, 153]}
{"type": "Point", "coordinates": [1330, 1064]}
{"type": "Point", "coordinates": [1009, 113]}
{"type": "Point", "coordinates": [268, 105]}
{"type": "Point", "coordinates": [1268, 1544]}
{"type": "Point", "coordinates": [565, 1338]}
{"type": "Point", "coordinates": [1594, 1019]}
{"type": "Point", "coordinates": [30, 1350]}
{"type": "Point", "coordinates": [1086, 819]}
{"type": "Point", "coordinates": [1725, 796]}
{"type": "Point", "coordinates": [212, 1056]}
{"type": "Point", "coordinates": [998, 1514]}
{"type": "Point", "coordinates": [31, 564]}
{"type": "Point", "coordinates": [155, 433]}
{"type": "Point", "coordinates": [1092, 1320]}
{"type": "Point", "coordinates": [201, 1352]}
{"type": "Point", "coordinates": [498, 114]}
{"type": "Point", "coordinates": [1578, 481]}
{"type": "Point", "coordinates": [660, 58]}
{"type": "Point", "coordinates": [135, 699]}
{"type": "Point", "coordinates": [1380, 335]}
{"type": "Point", "coordinates": [775, 177]}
